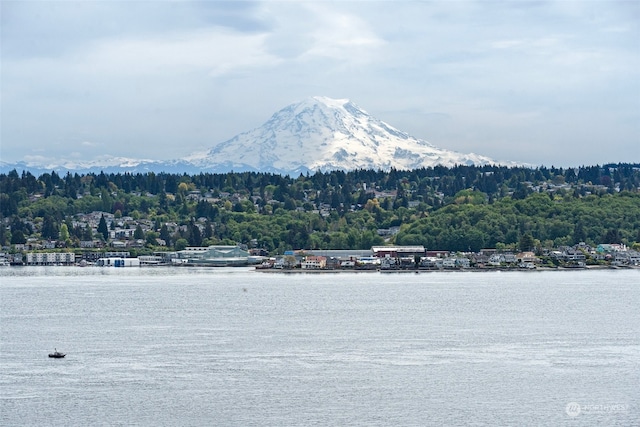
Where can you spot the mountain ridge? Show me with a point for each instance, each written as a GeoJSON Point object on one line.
{"type": "Point", "coordinates": [322, 134]}
{"type": "Point", "coordinates": [316, 134]}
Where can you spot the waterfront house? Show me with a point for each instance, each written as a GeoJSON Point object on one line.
{"type": "Point", "coordinates": [573, 256]}
{"type": "Point", "coordinates": [496, 260]}
{"type": "Point", "coordinates": [480, 259]}
{"type": "Point", "coordinates": [449, 263]}
{"type": "Point", "coordinates": [526, 257]}
{"type": "Point", "coordinates": [313, 262]}
{"type": "Point", "coordinates": [463, 262]}
{"type": "Point", "coordinates": [510, 258]}
{"type": "Point", "coordinates": [610, 248]}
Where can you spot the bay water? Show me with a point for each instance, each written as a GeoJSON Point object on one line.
{"type": "Point", "coordinates": [237, 347]}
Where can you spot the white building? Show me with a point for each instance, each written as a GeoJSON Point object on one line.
{"type": "Point", "coordinates": [216, 256]}
{"type": "Point", "coordinates": [314, 262]}
{"type": "Point", "coordinates": [51, 258]}
{"type": "Point", "coordinates": [118, 262]}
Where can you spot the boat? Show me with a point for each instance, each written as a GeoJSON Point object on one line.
{"type": "Point", "coordinates": [56, 354]}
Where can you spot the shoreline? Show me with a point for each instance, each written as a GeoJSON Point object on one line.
{"type": "Point", "coordinates": [356, 270]}
{"type": "Point", "coordinates": [461, 270]}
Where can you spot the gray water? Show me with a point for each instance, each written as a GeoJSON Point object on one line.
{"type": "Point", "coordinates": [234, 347]}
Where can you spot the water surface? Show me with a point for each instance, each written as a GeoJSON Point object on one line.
{"type": "Point", "coordinates": [234, 347]}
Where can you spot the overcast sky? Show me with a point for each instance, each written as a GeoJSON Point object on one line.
{"type": "Point", "coordinates": [547, 83]}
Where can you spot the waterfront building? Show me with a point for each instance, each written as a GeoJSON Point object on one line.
{"type": "Point", "coordinates": [216, 256]}
{"type": "Point", "coordinates": [51, 258]}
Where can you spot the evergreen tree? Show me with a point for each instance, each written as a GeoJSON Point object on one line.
{"type": "Point", "coordinates": [526, 242]}
{"type": "Point", "coordinates": [195, 237]}
{"type": "Point", "coordinates": [3, 234]}
{"type": "Point", "coordinates": [579, 235]}
{"type": "Point", "coordinates": [612, 236]}
{"type": "Point", "coordinates": [102, 228]}
{"type": "Point", "coordinates": [49, 228]}
{"type": "Point", "coordinates": [138, 233]}
{"type": "Point", "coordinates": [164, 234]}
{"type": "Point", "coordinates": [17, 238]}
{"type": "Point", "coordinates": [208, 231]}
{"type": "Point", "coordinates": [87, 235]}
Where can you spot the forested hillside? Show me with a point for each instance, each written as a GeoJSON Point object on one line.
{"type": "Point", "coordinates": [459, 209]}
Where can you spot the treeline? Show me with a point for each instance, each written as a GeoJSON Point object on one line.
{"type": "Point", "coordinates": [548, 221]}
{"type": "Point", "coordinates": [460, 208]}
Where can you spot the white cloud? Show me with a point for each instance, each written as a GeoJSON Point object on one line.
{"type": "Point", "coordinates": [164, 80]}
{"type": "Point", "coordinates": [216, 51]}
{"type": "Point", "coordinates": [341, 35]}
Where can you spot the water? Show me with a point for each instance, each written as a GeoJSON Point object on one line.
{"type": "Point", "coordinates": [234, 347]}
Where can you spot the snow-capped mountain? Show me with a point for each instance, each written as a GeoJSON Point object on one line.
{"type": "Point", "coordinates": [107, 164]}
{"type": "Point", "coordinates": [325, 134]}
{"type": "Point", "coordinates": [317, 134]}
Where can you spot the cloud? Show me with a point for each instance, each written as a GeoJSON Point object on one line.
{"type": "Point", "coordinates": [162, 80]}
{"type": "Point", "coordinates": [341, 36]}
{"type": "Point", "coordinates": [214, 51]}
{"type": "Point", "coordinates": [317, 31]}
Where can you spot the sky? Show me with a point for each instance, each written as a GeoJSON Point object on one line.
{"type": "Point", "coordinates": [554, 83]}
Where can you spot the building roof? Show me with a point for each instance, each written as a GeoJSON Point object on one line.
{"type": "Point", "coordinates": [376, 249]}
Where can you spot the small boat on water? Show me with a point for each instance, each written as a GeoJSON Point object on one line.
{"type": "Point", "coordinates": [56, 354]}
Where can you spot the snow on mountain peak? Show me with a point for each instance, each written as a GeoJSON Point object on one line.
{"type": "Point", "coordinates": [330, 102]}
{"type": "Point", "coordinates": [316, 134]}
{"type": "Point", "coordinates": [321, 133]}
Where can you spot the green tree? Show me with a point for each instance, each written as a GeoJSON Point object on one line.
{"type": "Point", "coordinates": [612, 236]}
{"type": "Point", "coordinates": [526, 242]}
{"type": "Point", "coordinates": [208, 231]}
{"type": "Point", "coordinates": [17, 238]}
{"type": "Point", "coordinates": [195, 236]}
{"type": "Point", "coordinates": [151, 237]}
{"type": "Point", "coordinates": [102, 228]}
{"type": "Point", "coordinates": [49, 228]}
{"type": "Point", "coordinates": [181, 244]}
{"type": "Point", "coordinates": [4, 236]}
{"type": "Point", "coordinates": [107, 201]}
{"type": "Point", "coordinates": [579, 235]}
{"type": "Point", "coordinates": [87, 234]}
{"type": "Point", "coordinates": [138, 233]}
{"type": "Point", "coordinates": [164, 234]}
{"type": "Point", "coordinates": [64, 232]}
